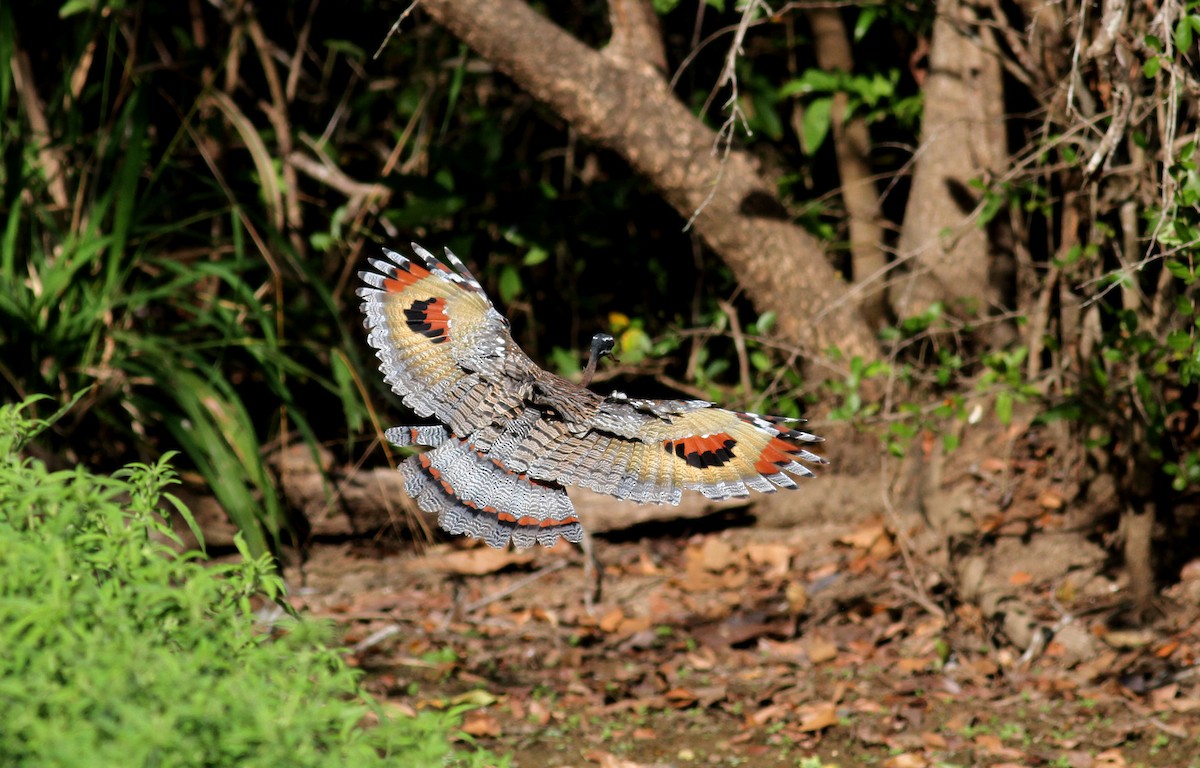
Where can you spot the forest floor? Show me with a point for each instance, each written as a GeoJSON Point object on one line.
{"type": "Point", "coordinates": [720, 643]}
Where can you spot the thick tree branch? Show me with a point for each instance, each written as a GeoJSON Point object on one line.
{"type": "Point", "coordinates": [631, 110]}
{"type": "Point", "coordinates": [635, 33]}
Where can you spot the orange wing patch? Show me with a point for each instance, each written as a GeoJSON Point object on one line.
{"type": "Point", "coordinates": [702, 451]}
{"type": "Point", "coordinates": [405, 276]}
{"type": "Point", "coordinates": [407, 273]}
{"type": "Point", "coordinates": [775, 455]}
{"type": "Point", "coordinates": [428, 317]}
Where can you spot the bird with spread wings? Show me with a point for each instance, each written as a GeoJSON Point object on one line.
{"type": "Point", "coordinates": [510, 435]}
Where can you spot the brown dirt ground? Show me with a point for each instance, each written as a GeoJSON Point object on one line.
{"type": "Point", "coordinates": [721, 643]}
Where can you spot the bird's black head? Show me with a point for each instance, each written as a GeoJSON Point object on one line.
{"type": "Point", "coordinates": [602, 344]}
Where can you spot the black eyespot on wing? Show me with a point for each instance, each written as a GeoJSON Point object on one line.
{"type": "Point", "coordinates": [428, 318]}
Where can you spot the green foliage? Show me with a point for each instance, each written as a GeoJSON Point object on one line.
{"type": "Point", "coordinates": [1135, 278]}
{"type": "Point", "coordinates": [1187, 26]}
{"type": "Point", "coordinates": [874, 97]}
{"type": "Point", "coordinates": [178, 268]}
{"type": "Point", "coordinates": [1146, 368]}
{"type": "Point", "coordinates": [633, 343]}
{"type": "Point", "coordinates": [889, 18]}
{"type": "Point", "coordinates": [916, 325]}
{"type": "Point", "coordinates": [177, 341]}
{"type": "Point", "coordinates": [1028, 196]}
{"type": "Point", "coordinates": [1004, 372]}
{"type": "Point", "coordinates": [120, 651]}
{"type": "Point", "coordinates": [1184, 473]}
{"type": "Point", "coordinates": [848, 392]}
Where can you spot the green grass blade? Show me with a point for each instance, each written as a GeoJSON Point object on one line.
{"type": "Point", "coordinates": [259, 154]}
{"type": "Point", "coordinates": [125, 184]}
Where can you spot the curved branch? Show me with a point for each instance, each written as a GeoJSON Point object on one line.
{"type": "Point", "coordinates": [629, 108]}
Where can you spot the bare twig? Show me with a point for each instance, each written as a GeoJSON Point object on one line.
{"type": "Point", "coordinates": [376, 637]}
{"type": "Point", "coordinates": [1122, 104]}
{"type": "Point", "coordinates": [1111, 19]}
{"type": "Point", "coordinates": [295, 66]}
{"type": "Point", "coordinates": [516, 586]}
{"type": "Point", "coordinates": [681, 386]}
{"type": "Point", "coordinates": [725, 134]}
{"type": "Point", "coordinates": [395, 28]}
{"type": "Point", "coordinates": [739, 345]}
{"type": "Point", "coordinates": [327, 173]}
{"type": "Point", "coordinates": [277, 114]}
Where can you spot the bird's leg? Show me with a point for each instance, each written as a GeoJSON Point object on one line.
{"type": "Point", "coordinates": [458, 598]}
{"type": "Point", "coordinates": [593, 573]}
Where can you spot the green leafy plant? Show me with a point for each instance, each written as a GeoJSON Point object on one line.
{"type": "Point", "coordinates": [153, 293]}
{"type": "Point", "coordinates": [874, 96]}
{"type": "Point", "coordinates": [1005, 374]}
{"type": "Point", "coordinates": [120, 650]}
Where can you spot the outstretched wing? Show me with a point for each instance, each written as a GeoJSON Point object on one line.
{"type": "Point", "coordinates": [650, 451]}
{"type": "Point", "coordinates": [447, 352]}
{"type": "Point", "coordinates": [442, 346]}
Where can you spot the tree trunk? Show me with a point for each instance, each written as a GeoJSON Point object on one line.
{"type": "Point", "coordinates": [852, 144]}
{"type": "Point", "coordinates": [626, 105]}
{"type": "Point", "coordinates": [963, 138]}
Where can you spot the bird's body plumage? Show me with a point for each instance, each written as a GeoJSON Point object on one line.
{"type": "Point", "coordinates": [516, 434]}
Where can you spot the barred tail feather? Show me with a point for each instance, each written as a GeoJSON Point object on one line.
{"type": "Point", "coordinates": [430, 436]}
{"type": "Point", "coordinates": [473, 495]}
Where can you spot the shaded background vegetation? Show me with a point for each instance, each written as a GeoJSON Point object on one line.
{"type": "Point", "coordinates": [160, 251]}
{"type": "Point", "coordinates": [188, 190]}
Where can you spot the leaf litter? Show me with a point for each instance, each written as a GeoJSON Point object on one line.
{"type": "Point", "coordinates": [748, 646]}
